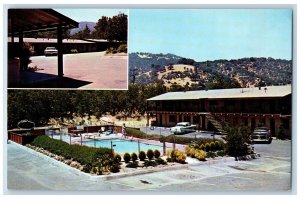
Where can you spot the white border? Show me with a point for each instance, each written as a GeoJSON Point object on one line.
{"type": "Point", "coordinates": [158, 4]}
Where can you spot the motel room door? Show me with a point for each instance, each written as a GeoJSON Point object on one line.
{"type": "Point", "coordinates": [272, 126]}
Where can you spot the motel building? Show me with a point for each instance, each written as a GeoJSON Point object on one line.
{"type": "Point", "coordinates": [211, 109]}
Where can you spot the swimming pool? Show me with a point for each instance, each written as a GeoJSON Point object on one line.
{"type": "Point", "coordinates": [122, 146]}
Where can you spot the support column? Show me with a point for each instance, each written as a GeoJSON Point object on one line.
{"type": "Point", "coordinates": [12, 31]}
{"type": "Point", "coordinates": [20, 48]}
{"type": "Point", "coordinates": [147, 113]}
{"type": "Point", "coordinates": [59, 50]}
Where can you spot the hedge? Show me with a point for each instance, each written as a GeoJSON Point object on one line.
{"type": "Point", "coordinates": [81, 154]}
{"type": "Point", "coordinates": [178, 139]}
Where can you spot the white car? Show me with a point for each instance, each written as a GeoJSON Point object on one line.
{"type": "Point", "coordinates": [50, 51]}
{"type": "Point", "coordinates": [183, 127]}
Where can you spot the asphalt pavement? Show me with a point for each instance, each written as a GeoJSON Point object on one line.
{"type": "Point", "coordinates": [271, 173]}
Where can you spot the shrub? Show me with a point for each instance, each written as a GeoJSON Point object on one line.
{"type": "Point", "coordinates": [180, 157]}
{"type": "Point", "coordinates": [150, 154]}
{"type": "Point", "coordinates": [132, 165]}
{"type": "Point", "coordinates": [156, 153]}
{"type": "Point", "coordinates": [133, 157]}
{"type": "Point", "coordinates": [176, 156]}
{"type": "Point", "coordinates": [87, 168]}
{"type": "Point", "coordinates": [217, 145]}
{"type": "Point", "coordinates": [122, 48]}
{"type": "Point", "coordinates": [220, 153]}
{"type": "Point", "coordinates": [202, 147]}
{"type": "Point", "coordinates": [211, 154]}
{"type": "Point", "coordinates": [74, 50]}
{"type": "Point", "coordinates": [187, 150]}
{"type": "Point", "coordinates": [237, 141]}
{"type": "Point", "coordinates": [117, 158]}
{"type": "Point", "coordinates": [160, 161]}
{"type": "Point", "coordinates": [142, 155]}
{"type": "Point", "coordinates": [200, 155]}
{"type": "Point", "coordinates": [207, 147]}
{"type": "Point", "coordinates": [140, 134]}
{"type": "Point", "coordinates": [212, 146]}
{"type": "Point", "coordinates": [115, 168]}
{"type": "Point", "coordinates": [150, 163]}
{"type": "Point", "coordinates": [126, 157]}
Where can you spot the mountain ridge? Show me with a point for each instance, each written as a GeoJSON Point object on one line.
{"type": "Point", "coordinates": [148, 68]}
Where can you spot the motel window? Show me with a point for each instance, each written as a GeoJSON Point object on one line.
{"type": "Point", "coordinates": [172, 118]}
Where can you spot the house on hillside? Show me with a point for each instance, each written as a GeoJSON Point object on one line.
{"type": "Point", "coordinates": [211, 109]}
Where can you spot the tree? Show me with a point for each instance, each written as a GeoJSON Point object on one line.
{"type": "Point", "coordinates": [101, 28]}
{"type": "Point", "coordinates": [238, 140]}
{"type": "Point", "coordinates": [114, 28]}
{"type": "Point", "coordinates": [221, 82]}
{"type": "Point", "coordinates": [83, 34]}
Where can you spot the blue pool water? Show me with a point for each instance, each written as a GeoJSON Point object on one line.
{"type": "Point", "coordinates": [122, 146]}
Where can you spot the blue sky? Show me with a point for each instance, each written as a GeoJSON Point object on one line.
{"type": "Point", "coordinates": [89, 14]}
{"type": "Point", "coordinates": [210, 34]}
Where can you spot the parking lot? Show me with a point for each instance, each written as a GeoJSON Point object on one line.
{"type": "Point", "coordinates": [91, 70]}
{"type": "Point", "coordinates": [270, 173]}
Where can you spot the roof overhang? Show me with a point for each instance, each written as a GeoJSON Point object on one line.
{"type": "Point", "coordinates": [32, 20]}
{"type": "Point", "coordinates": [235, 93]}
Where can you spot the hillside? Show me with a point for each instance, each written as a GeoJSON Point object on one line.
{"type": "Point", "coordinates": [171, 69]}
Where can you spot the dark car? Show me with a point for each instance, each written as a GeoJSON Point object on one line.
{"type": "Point", "coordinates": [261, 135]}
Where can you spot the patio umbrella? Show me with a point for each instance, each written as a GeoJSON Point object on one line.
{"type": "Point", "coordinates": [25, 124]}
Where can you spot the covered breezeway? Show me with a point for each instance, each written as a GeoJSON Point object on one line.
{"type": "Point", "coordinates": [22, 21]}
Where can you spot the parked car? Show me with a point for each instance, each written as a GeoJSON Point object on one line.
{"type": "Point", "coordinates": [261, 134]}
{"type": "Point", "coordinates": [50, 51]}
{"type": "Point", "coordinates": [183, 127]}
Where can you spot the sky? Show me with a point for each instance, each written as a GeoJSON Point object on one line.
{"type": "Point", "coordinates": [210, 34]}
{"type": "Point", "coordinates": [88, 14]}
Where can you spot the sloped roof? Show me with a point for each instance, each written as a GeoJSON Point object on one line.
{"type": "Point", "coordinates": [29, 20]}
{"type": "Point", "coordinates": [50, 40]}
{"type": "Point", "coordinates": [234, 93]}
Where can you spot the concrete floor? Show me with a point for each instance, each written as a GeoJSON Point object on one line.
{"type": "Point", "coordinates": [271, 173]}
{"type": "Point", "coordinates": [94, 70]}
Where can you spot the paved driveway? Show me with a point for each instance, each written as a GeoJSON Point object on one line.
{"type": "Point", "coordinates": [98, 70]}
{"type": "Point", "coordinates": [270, 173]}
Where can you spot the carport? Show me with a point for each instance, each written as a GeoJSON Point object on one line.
{"type": "Point", "coordinates": [22, 21]}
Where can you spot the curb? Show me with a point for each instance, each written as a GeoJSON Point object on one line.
{"type": "Point", "coordinates": [213, 161]}
{"type": "Point", "coordinates": [248, 157]}
{"type": "Point", "coordinates": [140, 172]}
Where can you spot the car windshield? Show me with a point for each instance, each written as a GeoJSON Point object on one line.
{"type": "Point", "coordinates": [50, 48]}
{"type": "Point", "coordinates": [261, 131]}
